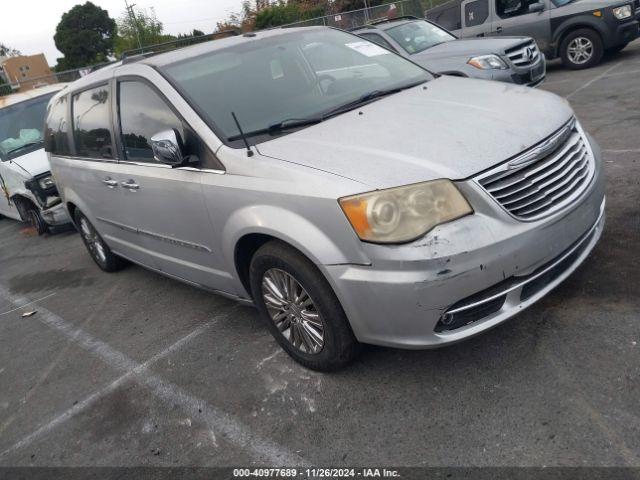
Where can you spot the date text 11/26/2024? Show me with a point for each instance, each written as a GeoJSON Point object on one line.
{"type": "Point", "coordinates": [316, 472]}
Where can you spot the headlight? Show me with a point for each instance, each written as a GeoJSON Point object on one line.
{"type": "Point", "coordinates": [622, 12]}
{"type": "Point", "coordinates": [403, 214]}
{"type": "Point", "coordinates": [46, 182]}
{"type": "Point", "coordinates": [488, 62]}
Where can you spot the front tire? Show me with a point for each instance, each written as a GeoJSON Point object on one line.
{"type": "Point", "coordinates": [300, 308]}
{"type": "Point", "coordinates": [37, 222]}
{"type": "Point", "coordinates": [581, 49]}
{"type": "Point", "coordinates": [99, 251]}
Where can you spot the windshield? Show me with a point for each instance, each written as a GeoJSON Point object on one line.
{"type": "Point", "coordinates": [417, 36]}
{"type": "Point", "coordinates": [297, 75]}
{"type": "Point", "coordinates": [21, 127]}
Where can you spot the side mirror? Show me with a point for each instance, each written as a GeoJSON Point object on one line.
{"type": "Point", "coordinates": [167, 147]}
{"type": "Point", "coordinates": [536, 7]}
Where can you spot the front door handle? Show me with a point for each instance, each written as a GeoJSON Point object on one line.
{"type": "Point", "coordinates": [499, 29]}
{"type": "Point", "coordinates": [110, 182]}
{"type": "Point", "coordinates": [130, 185]}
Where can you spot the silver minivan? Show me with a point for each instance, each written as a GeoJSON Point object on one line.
{"type": "Point", "coordinates": [347, 193]}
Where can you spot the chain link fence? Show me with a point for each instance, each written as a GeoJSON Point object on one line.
{"type": "Point", "coordinates": [363, 16]}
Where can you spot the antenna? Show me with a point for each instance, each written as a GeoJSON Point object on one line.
{"type": "Point", "coordinates": [244, 138]}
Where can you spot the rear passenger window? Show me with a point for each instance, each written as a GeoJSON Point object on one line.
{"type": "Point", "coordinates": [447, 16]}
{"type": "Point", "coordinates": [513, 8]}
{"type": "Point", "coordinates": [56, 140]}
{"type": "Point", "coordinates": [91, 123]}
{"type": "Point", "coordinates": [475, 13]}
{"type": "Point", "coordinates": [143, 113]}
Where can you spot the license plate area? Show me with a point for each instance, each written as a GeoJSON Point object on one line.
{"type": "Point", "coordinates": [537, 72]}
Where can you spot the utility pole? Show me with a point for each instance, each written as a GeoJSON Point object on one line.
{"type": "Point", "coordinates": [134, 22]}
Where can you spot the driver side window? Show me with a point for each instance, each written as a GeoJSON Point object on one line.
{"type": "Point", "coordinates": [513, 8]}
{"type": "Point", "coordinates": [143, 113]}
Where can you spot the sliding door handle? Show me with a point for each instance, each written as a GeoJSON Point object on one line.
{"type": "Point", "coordinates": [110, 182]}
{"type": "Point", "coordinates": [130, 185]}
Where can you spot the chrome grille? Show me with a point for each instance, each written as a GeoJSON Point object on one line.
{"type": "Point", "coordinates": [544, 179]}
{"type": "Point", "coordinates": [524, 55]}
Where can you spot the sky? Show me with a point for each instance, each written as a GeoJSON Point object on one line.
{"type": "Point", "coordinates": [29, 26]}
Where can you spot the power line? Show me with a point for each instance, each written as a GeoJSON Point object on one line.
{"type": "Point", "coordinates": [134, 21]}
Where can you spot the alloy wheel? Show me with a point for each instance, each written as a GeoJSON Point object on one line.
{"type": "Point", "coordinates": [293, 311]}
{"type": "Point", "coordinates": [580, 50]}
{"type": "Point", "coordinates": [93, 241]}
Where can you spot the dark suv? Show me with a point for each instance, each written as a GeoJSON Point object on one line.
{"type": "Point", "coordinates": [578, 31]}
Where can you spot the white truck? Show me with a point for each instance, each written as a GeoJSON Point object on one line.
{"type": "Point", "coordinates": [27, 190]}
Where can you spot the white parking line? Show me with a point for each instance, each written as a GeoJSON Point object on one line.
{"type": "Point", "coordinates": [217, 420]}
{"type": "Point", "coordinates": [594, 80]}
{"type": "Point", "coordinates": [91, 399]}
{"type": "Point", "coordinates": [632, 150]}
{"type": "Point", "coordinates": [30, 303]}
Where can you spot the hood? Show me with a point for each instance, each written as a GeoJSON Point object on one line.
{"type": "Point", "coordinates": [469, 48]}
{"type": "Point", "coordinates": [455, 128]}
{"type": "Point", "coordinates": [32, 163]}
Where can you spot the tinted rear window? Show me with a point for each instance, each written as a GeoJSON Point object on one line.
{"type": "Point", "coordinates": [57, 128]}
{"type": "Point", "coordinates": [92, 124]}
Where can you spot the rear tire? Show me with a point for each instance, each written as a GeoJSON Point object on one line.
{"type": "Point", "coordinates": [97, 248]}
{"type": "Point", "coordinates": [581, 49]}
{"type": "Point", "coordinates": [300, 308]}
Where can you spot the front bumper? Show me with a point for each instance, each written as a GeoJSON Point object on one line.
{"type": "Point", "coordinates": [531, 76]}
{"type": "Point", "coordinates": [627, 32]}
{"type": "Point", "coordinates": [487, 264]}
{"type": "Point", "coordinates": [56, 215]}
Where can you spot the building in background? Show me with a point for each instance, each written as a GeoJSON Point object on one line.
{"type": "Point", "coordinates": [24, 72]}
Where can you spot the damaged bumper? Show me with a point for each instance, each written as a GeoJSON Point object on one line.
{"type": "Point", "coordinates": [466, 276]}
{"type": "Point", "coordinates": [56, 215]}
{"type": "Point", "coordinates": [48, 200]}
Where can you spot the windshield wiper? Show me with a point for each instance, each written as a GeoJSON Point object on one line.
{"type": "Point", "coordinates": [26, 145]}
{"type": "Point", "coordinates": [279, 127]}
{"type": "Point", "coordinates": [291, 123]}
{"type": "Point", "coordinates": [366, 98]}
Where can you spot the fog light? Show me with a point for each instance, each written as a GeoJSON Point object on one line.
{"type": "Point", "coordinates": [446, 319]}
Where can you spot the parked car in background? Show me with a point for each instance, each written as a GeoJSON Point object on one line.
{"type": "Point", "coordinates": [577, 31]}
{"type": "Point", "coordinates": [27, 190]}
{"type": "Point", "coordinates": [342, 189]}
{"type": "Point", "coordinates": [510, 59]}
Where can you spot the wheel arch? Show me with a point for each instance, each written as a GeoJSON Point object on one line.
{"type": "Point", "coordinates": [571, 26]}
{"type": "Point", "coordinates": [19, 199]}
{"type": "Point", "coordinates": [250, 228]}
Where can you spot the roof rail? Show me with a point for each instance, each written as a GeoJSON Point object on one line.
{"type": "Point", "coordinates": [136, 54]}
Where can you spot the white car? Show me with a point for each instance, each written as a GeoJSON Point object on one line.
{"type": "Point", "coordinates": [27, 190]}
